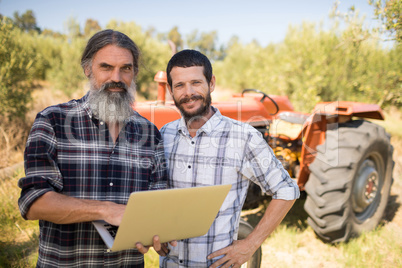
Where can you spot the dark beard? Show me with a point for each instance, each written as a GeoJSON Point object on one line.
{"type": "Point", "coordinates": [200, 112]}
{"type": "Point", "coordinates": [112, 107]}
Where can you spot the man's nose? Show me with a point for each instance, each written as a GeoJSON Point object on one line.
{"type": "Point", "coordinates": [116, 77]}
{"type": "Point", "coordinates": [190, 90]}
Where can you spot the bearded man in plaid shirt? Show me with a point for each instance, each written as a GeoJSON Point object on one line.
{"type": "Point", "coordinates": [84, 158]}
{"type": "Point", "coordinates": [205, 148]}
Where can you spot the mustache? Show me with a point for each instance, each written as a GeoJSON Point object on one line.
{"type": "Point", "coordinates": [192, 98]}
{"type": "Point", "coordinates": [120, 85]}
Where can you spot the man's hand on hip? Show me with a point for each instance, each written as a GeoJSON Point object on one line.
{"type": "Point", "coordinates": [236, 254]}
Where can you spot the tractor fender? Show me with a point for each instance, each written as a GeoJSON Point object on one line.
{"type": "Point", "coordinates": [349, 109]}
{"type": "Point", "coordinates": [325, 116]}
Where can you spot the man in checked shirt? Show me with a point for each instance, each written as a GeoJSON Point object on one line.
{"type": "Point", "coordinates": [206, 148]}
{"type": "Point", "coordinates": [84, 158]}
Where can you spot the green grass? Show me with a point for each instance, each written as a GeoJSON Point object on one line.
{"type": "Point", "coordinates": [380, 248]}
{"type": "Point", "coordinates": [19, 238]}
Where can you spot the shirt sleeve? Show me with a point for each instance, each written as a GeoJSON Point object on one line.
{"type": "Point", "coordinates": [41, 171]}
{"type": "Point", "coordinates": [262, 167]}
{"type": "Point", "coordinates": [159, 177]}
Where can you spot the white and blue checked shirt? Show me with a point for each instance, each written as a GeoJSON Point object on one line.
{"type": "Point", "coordinates": [224, 151]}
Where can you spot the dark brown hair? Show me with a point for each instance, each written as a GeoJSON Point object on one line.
{"type": "Point", "coordinates": [109, 37]}
{"type": "Point", "coordinates": [188, 58]}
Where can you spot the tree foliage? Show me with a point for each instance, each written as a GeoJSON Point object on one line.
{"type": "Point", "coordinates": [91, 27]}
{"type": "Point", "coordinates": [73, 28]}
{"type": "Point", "coordinates": [26, 21]}
{"type": "Point", "coordinates": [65, 73]}
{"type": "Point", "coordinates": [16, 71]}
{"type": "Point", "coordinates": [311, 64]}
{"type": "Point", "coordinates": [175, 37]}
{"type": "Point", "coordinates": [206, 43]}
{"type": "Point", "coordinates": [389, 12]}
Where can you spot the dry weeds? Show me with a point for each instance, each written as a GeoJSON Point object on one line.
{"type": "Point", "coordinates": [12, 137]}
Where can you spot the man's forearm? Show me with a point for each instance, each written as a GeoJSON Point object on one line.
{"type": "Point", "coordinates": [273, 216]}
{"type": "Point", "coordinates": [62, 209]}
{"type": "Point", "coordinates": [241, 250]}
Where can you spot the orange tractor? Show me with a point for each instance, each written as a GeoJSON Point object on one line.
{"type": "Point", "coordinates": [340, 160]}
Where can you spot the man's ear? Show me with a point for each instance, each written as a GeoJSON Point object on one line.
{"type": "Point", "coordinates": [169, 89]}
{"type": "Point", "coordinates": [87, 71]}
{"type": "Point", "coordinates": [212, 83]}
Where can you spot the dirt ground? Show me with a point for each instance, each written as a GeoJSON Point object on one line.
{"type": "Point", "coordinates": [314, 253]}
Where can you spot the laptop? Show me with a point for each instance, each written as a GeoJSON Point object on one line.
{"type": "Point", "coordinates": [172, 214]}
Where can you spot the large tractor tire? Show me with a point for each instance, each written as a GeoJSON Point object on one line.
{"type": "Point", "coordinates": [350, 181]}
{"type": "Point", "coordinates": [244, 230]}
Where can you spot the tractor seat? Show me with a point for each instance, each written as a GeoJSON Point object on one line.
{"type": "Point", "coordinates": [294, 118]}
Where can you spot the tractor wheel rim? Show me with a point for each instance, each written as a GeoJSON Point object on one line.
{"type": "Point", "coordinates": [366, 188]}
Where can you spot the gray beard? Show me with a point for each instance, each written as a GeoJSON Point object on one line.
{"type": "Point", "coordinates": [111, 107]}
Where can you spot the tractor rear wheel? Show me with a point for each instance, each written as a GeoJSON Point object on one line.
{"type": "Point", "coordinates": [350, 181]}
{"type": "Point", "coordinates": [244, 230]}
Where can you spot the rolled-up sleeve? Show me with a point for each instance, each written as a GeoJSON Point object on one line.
{"type": "Point", "coordinates": [262, 167]}
{"type": "Point", "coordinates": [41, 171]}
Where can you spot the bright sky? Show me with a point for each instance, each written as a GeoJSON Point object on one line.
{"type": "Point", "coordinates": [266, 21]}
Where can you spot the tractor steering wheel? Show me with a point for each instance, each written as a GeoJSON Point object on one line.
{"type": "Point", "coordinates": [263, 97]}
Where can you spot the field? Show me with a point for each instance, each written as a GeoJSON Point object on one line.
{"type": "Point", "coordinates": [293, 244]}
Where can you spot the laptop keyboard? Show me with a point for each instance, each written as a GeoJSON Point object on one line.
{"type": "Point", "coordinates": [112, 229]}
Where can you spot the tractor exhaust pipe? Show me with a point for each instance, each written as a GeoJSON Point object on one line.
{"type": "Point", "coordinates": [161, 78]}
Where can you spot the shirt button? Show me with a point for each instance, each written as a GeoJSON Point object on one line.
{"type": "Point", "coordinates": [189, 166]}
{"type": "Point", "coordinates": [192, 142]}
{"type": "Point", "coordinates": [181, 261]}
{"type": "Point", "coordinates": [111, 184]}
{"type": "Point", "coordinates": [101, 123]}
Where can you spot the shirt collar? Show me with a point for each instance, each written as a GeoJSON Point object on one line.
{"type": "Point", "coordinates": [85, 104]}
{"type": "Point", "coordinates": [207, 128]}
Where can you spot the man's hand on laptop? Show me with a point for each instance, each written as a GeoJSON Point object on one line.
{"type": "Point", "coordinates": [113, 213]}
{"type": "Point", "coordinates": [161, 249]}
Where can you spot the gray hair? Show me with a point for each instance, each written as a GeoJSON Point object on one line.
{"type": "Point", "coordinates": [109, 37]}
